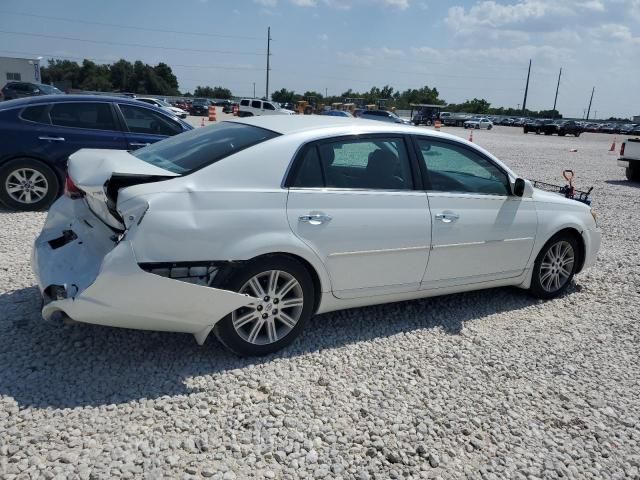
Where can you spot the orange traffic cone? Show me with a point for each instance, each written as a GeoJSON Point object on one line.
{"type": "Point", "coordinates": [202, 122]}
{"type": "Point", "coordinates": [471, 136]}
{"type": "Point", "coordinates": [212, 113]}
{"type": "Point", "coordinates": [613, 145]}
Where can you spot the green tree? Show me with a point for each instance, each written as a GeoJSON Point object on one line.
{"type": "Point", "coordinates": [215, 92]}
{"type": "Point", "coordinates": [283, 96]}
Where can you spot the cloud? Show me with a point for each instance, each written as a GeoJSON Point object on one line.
{"type": "Point", "coordinates": [401, 4]}
{"type": "Point", "coordinates": [304, 3]}
{"type": "Point", "coordinates": [323, 37]}
{"type": "Point", "coordinates": [267, 3]}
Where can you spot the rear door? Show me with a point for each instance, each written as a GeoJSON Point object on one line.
{"type": "Point", "coordinates": [145, 126]}
{"type": "Point", "coordinates": [76, 125]}
{"type": "Point", "coordinates": [354, 202]}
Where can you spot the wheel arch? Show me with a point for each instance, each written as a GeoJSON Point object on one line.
{"type": "Point", "coordinates": [577, 235]}
{"type": "Point", "coordinates": [30, 156]}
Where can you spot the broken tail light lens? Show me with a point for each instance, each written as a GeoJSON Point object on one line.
{"type": "Point", "coordinates": [71, 190]}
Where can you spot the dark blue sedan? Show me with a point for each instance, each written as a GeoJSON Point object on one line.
{"type": "Point", "coordinates": [39, 133]}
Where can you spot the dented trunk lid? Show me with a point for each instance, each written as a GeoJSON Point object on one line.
{"type": "Point", "coordinates": [100, 174]}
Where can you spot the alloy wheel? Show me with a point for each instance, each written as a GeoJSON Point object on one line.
{"type": "Point", "coordinates": [26, 185]}
{"type": "Point", "coordinates": [557, 266]}
{"type": "Point", "coordinates": [275, 313]}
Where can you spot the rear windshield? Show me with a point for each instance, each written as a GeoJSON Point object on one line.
{"type": "Point", "coordinates": [198, 148]}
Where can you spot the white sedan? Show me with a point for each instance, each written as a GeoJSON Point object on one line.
{"type": "Point", "coordinates": [167, 107]}
{"type": "Point", "coordinates": [478, 123]}
{"type": "Point", "coordinates": [250, 227]}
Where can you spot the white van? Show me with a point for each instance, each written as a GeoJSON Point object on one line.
{"type": "Point", "coordinates": [250, 107]}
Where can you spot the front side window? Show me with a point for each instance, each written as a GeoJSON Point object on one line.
{"type": "Point", "coordinates": [198, 148]}
{"type": "Point", "coordinates": [244, 103]}
{"type": "Point", "coordinates": [375, 164]}
{"type": "Point", "coordinates": [268, 106]}
{"type": "Point", "coordinates": [143, 120]}
{"type": "Point", "coordinates": [94, 116]}
{"type": "Point", "coordinates": [256, 104]}
{"type": "Point", "coordinates": [452, 168]}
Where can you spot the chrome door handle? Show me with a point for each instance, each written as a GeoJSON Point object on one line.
{"type": "Point", "coordinates": [52, 139]}
{"type": "Point", "coordinates": [447, 217]}
{"type": "Point", "coordinates": [136, 144]}
{"type": "Point", "coordinates": [316, 219]}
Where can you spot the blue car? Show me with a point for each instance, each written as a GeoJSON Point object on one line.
{"type": "Point", "coordinates": [39, 133]}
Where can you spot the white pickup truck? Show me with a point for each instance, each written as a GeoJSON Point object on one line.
{"type": "Point", "coordinates": [630, 159]}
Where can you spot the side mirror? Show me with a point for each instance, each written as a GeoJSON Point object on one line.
{"type": "Point", "coordinates": [518, 187]}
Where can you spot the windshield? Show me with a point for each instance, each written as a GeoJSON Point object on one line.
{"type": "Point", "coordinates": [49, 89]}
{"type": "Point", "coordinates": [198, 148]}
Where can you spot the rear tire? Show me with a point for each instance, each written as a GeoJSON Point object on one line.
{"type": "Point", "coordinates": [577, 134]}
{"type": "Point", "coordinates": [28, 184]}
{"type": "Point", "coordinates": [267, 326]}
{"type": "Point", "coordinates": [555, 266]}
{"type": "Point", "coordinates": [632, 174]}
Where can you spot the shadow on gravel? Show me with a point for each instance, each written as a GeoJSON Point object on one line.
{"type": "Point", "coordinates": [60, 366]}
{"type": "Point", "coordinates": [624, 183]}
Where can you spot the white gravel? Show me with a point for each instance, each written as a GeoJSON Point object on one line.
{"type": "Point", "coordinates": [488, 385]}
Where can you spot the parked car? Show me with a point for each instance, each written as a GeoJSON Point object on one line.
{"type": "Point", "coordinates": [478, 123]}
{"type": "Point", "coordinates": [178, 112]}
{"type": "Point", "coordinates": [629, 159]}
{"type": "Point", "coordinates": [336, 113]}
{"type": "Point", "coordinates": [383, 116]}
{"type": "Point", "coordinates": [13, 90]}
{"type": "Point", "coordinates": [200, 106]}
{"type": "Point", "coordinates": [423, 116]}
{"type": "Point", "coordinates": [507, 122]}
{"type": "Point", "coordinates": [39, 133]}
{"type": "Point", "coordinates": [253, 107]}
{"type": "Point", "coordinates": [558, 127]}
{"type": "Point", "coordinates": [536, 126]}
{"type": "Point", "coordinates": [454, 119]}
{"type": "Point", "coordinates": [610, 128]}
{"type": "Point", "coordinates": [250, 227]}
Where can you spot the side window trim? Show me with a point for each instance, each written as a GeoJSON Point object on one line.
{"type": "Point", "coordinates": [298, 157]}
{"type": "Point", "coordinates": [425, 173]}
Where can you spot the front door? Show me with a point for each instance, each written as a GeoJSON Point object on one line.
{"type": "Point", "coordinates": [480, 231]}
{"type": "Point", "coordinates": [352, 201]}
{"type": "Point", "coordinates": [146, 126]}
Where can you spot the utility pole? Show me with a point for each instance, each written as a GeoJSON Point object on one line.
{"type": "Point", "coordinates": [268, 55]}
{"type": "Point", "coordinates": [557, 88]}
{"type": "Point", "coordinates": [254, 89]}
{"type": "Point", "coordinates": [590, 101]}
{"type": "Point", "coordinates": [526, 91]}
{"type": "Point", "coordinates": [325, 92]}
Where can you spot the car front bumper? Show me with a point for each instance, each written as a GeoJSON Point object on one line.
{"type": "Point", "coordinates": [592, 242]}
{"type": "Point", "coordinates": [85, 272]}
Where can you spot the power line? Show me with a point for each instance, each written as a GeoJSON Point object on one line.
{"type": "Point", "coordinates": [106, 42]}
{"type": "Point", "coordinates": [110, 60]}
{"type": "Point", "coordinates": [131, 27]}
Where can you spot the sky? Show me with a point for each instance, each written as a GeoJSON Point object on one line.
{"type": "Point", "coordinates": [464, 48]}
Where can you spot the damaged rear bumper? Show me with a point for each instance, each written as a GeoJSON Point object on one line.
{"type": "Point", "coordinates": [85, 273]}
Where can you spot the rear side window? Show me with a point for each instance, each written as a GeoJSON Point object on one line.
{"type": "Point", "coordinates": [198, 148]}
{"type": "Point", "coordinates": [95, 116]}
{"type": "Point", "coordinates": [143, 120]}
{"type": "Point", "coordinates": [37, 113]}
{"type": "Point", "coordinates": [244, 103]}
{"type": "Point", "coordinates": [309, 174]}
{"type": "Point", "coordinates": [256, 104]}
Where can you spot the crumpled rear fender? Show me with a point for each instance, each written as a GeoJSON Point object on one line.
{"type": "Point", "coordinates": [124, 295]}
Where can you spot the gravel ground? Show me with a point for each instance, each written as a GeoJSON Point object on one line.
{"type": "Point", "coordinates": [489, 384]}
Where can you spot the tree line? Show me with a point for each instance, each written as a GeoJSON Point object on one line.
{"type": "Point", "coordinates": [141, 78]}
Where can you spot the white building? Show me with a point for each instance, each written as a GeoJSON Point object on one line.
{"type": "Point", "coordinates": [19, 69]}
{"type": "Point", "coordinates": [636, 119]}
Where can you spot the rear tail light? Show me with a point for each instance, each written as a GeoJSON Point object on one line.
{"type": "Point", "coordinates": [71, 190]}
{"type": "Point", "coordinates": [622, 149]}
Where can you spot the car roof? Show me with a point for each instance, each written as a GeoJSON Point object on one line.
{"type": "Point", "coordinates": [291, 124]}
{"type": "Point", "coordinates": [40, 99]}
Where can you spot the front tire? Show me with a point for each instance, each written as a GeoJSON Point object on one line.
{"type": "Point", "coordinates": [28, 184]}
{"type": "Point", "coordinates": [555, 266]}
{"type": "Point", "coordinates": [286, 301]}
